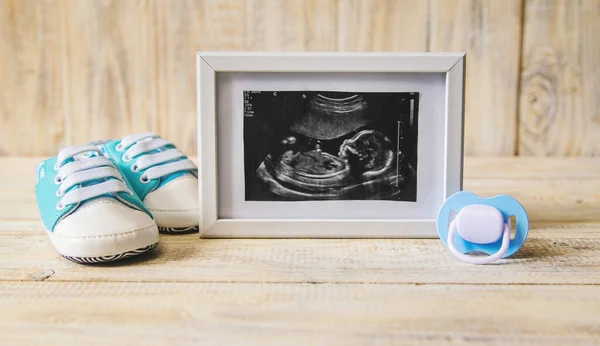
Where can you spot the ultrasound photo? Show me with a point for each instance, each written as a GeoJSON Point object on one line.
{"type": "Point", "coordinates": [330, 145]}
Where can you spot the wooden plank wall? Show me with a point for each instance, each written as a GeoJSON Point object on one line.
{"type": "Point", "coordinates": [560, 84]}
{"type": "Point", "coordinates": [72, 71]}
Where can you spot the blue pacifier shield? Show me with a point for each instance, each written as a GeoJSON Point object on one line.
{"type": "Point", "coordinates": [489, 240]}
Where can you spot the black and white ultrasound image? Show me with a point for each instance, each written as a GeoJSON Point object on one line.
{"type": "Point", "coordinates": [330, 145]}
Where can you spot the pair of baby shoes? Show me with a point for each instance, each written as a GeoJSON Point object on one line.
{"type": "Point", "coordinates": [110, 199]}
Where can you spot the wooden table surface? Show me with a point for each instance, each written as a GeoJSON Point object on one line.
{"type": "Point", "coordinates": [309, 292]}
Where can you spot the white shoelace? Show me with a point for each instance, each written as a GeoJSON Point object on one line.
{"type": "Point", "coordinates": [85, 169]}
{"type": "Point", "coordinates": [157, 165]}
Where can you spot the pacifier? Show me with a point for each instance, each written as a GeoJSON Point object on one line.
{"type": "Point", "coordinates": [482, 224]}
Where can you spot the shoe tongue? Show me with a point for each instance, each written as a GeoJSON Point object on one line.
{"type": "Point", "coordinates": [82, 156]}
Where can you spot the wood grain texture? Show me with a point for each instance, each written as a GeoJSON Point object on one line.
{"type": "Point", "coordinates": [31, 79]}
{"type": "Point", "coordinates": [291, 25]}
{"type": "Point", "coordinates": [383, 25]}
{"type": "Point", "coordinates": [111, 69]}
{"type": "Point", "coordinates": [559, 103]}
{"type": "Point", "coordinates": [297, 314]}
{"type": "Point", "coordinates": [182, 29]}
{"type": "Point", "coordinates": [572, 257]}
{"type": "Point", "coordinates": [529, 167]}
{"type": "Point", "coordinates": [489, 31]}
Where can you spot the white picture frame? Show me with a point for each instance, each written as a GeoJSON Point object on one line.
{"type": "Point", "coordinates": [209, 65]}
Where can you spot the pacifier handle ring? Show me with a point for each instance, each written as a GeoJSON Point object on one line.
{"type": "Point", "coordinates": [479, 260]}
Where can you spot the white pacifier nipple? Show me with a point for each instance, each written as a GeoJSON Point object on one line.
{"type": "Point", "coordinates": [479, 224]}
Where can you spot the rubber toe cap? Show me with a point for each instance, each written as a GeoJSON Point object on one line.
{"type": "Point", "coordinates": [103, 227]}
{"type": "Point", "coordinates": [175, 205]}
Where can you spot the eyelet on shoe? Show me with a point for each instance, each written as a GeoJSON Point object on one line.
{"type": "Point", "coordinates": [57, 180]}
{"type": "Point", "coordinates": [60, 206]}
{"type": "Point", "coordinates": [134, 168]}
{"type": "Point", "coordinates": [59, 192]}
{"type": "Point", "coordinates": [126, 158]}
{"type": "Point", "coordinates": [56, 168]}
{"type": "Point", "coordinates": [144, 179]}
{"type": "Point", "coordinates": [119, 147]}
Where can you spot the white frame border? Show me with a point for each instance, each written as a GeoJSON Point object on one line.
{"type": "Point", "coordinates": [209, 64]}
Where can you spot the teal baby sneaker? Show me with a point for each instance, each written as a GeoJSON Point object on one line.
{"type": "Point", "coordinates": [89, 211]}
{"type": "Point", "coordinates": [163, 178]}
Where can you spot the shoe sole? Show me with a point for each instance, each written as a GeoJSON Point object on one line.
{"type": "Point", "coordinates": [111, 258]}
{"type": "Point", "coordinates": [182, 230]}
